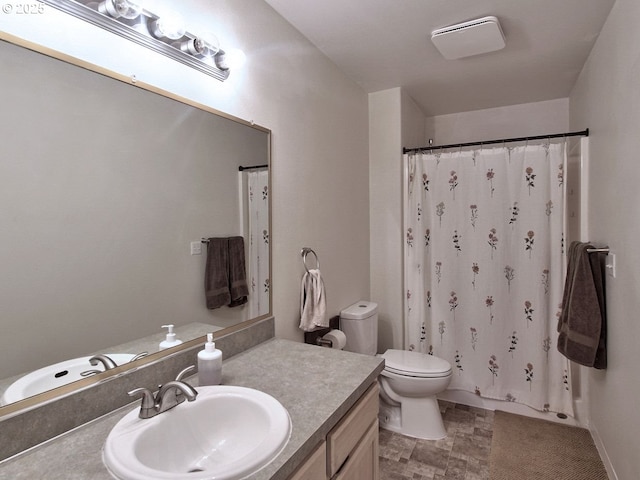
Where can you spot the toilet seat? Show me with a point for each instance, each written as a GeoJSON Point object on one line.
{"type": "Point", "coordinates": [415, 364]}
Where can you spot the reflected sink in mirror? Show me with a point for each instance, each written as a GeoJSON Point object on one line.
{"type": "Point", "coordinates": [56, 375]}
{"type": "Point", "coordinates": [226, 433]}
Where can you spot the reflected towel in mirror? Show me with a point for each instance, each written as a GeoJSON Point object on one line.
{"type": "Point", "coordinates": [238, 287]}
{"type": "Point", "coordinates": [225, 281]}
{"type": "Point", "coordinates": [216, 275]}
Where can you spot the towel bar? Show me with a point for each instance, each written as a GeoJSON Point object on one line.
{"type": "Point", "coordinates": [304, 252]}
{"type": "Point", "coordinates": [598, 250]}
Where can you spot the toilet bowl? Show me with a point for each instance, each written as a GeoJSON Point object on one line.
{"type": "Point", "coordinates": [409, 382]}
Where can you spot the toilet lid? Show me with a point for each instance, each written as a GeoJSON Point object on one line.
{"type": "Point", "coordinates": [415, 364]}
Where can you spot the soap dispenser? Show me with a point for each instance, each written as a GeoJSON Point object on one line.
{"type": "Point", "coordinates": [171, 340]}
{"type": "Point", "coordinates": [209, 363]}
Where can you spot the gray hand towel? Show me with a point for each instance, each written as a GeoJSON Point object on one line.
{"type": "Point", "coordinates": [238, 287]}
{"type": "Point", "coordinates": [582, 322]}
{"type": "Point", "coordinates": [216, 276]}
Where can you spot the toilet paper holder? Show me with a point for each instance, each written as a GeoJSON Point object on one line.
{"type": "Point", "coordinates": [324, 343]}
{"type": "Point", "coordinates": [315, 337]}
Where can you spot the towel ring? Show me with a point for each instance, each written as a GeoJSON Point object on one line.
{"type": "Point", "coordinates": [304, 252]}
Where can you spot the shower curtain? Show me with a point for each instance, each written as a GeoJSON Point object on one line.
{"type": "Point", "coordinates": [484, 269]}
{"type": "Point", "coordinates": [258, 208]}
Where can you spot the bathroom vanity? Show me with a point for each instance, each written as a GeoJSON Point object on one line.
{"type": "Point", "coordinates": [350, 451]}
{"type": "Point", "coordinates": [330, 395]}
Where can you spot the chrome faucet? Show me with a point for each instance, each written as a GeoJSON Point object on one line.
{"type": "Point", "coordinates": [169, 395]}
{"type": "Point", "coordinates": [106, 361]}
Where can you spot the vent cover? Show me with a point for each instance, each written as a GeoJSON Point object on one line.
{"type": "Point", "coordinates": [469, 38]}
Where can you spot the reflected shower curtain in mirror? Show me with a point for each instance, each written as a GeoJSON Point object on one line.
{"type": "Point", "coordinates": [258, 204]}
{"type": "Point", "coordinates": [484, 269]}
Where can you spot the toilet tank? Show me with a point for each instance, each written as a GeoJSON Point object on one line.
{"type": "Point", "coordinates": [359, 322]}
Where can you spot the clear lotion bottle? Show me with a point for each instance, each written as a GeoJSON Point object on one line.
{"type": "Point", "coordinates": [209, 364]}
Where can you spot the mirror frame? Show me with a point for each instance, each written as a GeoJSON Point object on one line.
{"type": "Point", "coordinates": [50, 395]}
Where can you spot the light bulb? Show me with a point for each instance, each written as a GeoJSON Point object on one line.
{"type": "Point", "coordinates": [120, 8]}
{"type": "Point", "coordinates": [169, 26]}
{"type": "Point", "coordinates": [205, 45]}
{"type": "Point", "coordinates": [232, 59]}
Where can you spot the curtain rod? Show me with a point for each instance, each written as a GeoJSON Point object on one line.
{"type": "Point", "coordinates": [241, 168]}
{"type": "Point", "coordinates": [583, 133]}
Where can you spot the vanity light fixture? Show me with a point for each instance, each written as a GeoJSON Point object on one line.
{"type": "Point", "coordinates": [164, 33]}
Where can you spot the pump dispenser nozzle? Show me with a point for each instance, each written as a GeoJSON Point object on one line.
{"type": "Point", "coordinates": [210, 346]}
{"type": "Point", "coordinates": [171, 340]}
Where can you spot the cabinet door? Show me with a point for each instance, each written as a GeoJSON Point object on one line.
{"type": "Point", "coordinates": [363, 462]}
{"type": "Point", "coordinates": [342, 440]}
{"type": "Point", "coordinates": [314, 467]}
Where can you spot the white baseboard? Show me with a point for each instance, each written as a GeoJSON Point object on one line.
{"type": "Point", "coordinates": [603, 453]}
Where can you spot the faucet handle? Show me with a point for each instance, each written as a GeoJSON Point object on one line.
{"type": "Point", "coordinates": [148, 401]}
{"type": "Point", "coordinates": [183, 372]}
{"type": "Point", "coordinates": [138, 356]}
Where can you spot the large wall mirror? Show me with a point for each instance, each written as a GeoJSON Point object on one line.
{"type": "Point", "coordinates": [106, 190]}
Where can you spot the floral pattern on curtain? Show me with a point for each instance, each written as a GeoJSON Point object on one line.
{"type": "Point", "coordinates": [258, 201]}
{"type": "Point", "coordinates": [484, 269]}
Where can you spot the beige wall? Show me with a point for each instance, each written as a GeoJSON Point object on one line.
{"type": "Point", "coordinates": [319, 122]}
{"type": "Point", "coordinates": [528, 119]}
{"type": "Point", "coordinates": [395, 120]}
{"type": "Point", "coordinates": [385, 210]}
{"type": "Point", "coordinates": [606, 99]}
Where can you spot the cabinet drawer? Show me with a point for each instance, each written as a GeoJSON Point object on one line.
{"type": "Point", "coordinates": [350, 430]}
{"type": "Point", "coordinates": [314, 467]}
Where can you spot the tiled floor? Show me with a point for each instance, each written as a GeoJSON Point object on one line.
{"type": "Point", "coordinates": [463, 455]}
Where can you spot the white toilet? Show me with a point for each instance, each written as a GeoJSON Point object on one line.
{"type": "Point", "coordinates": [409, 382]}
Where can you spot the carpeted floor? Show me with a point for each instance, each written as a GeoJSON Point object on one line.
{"type": "Point", "coordinates": [524, 448]}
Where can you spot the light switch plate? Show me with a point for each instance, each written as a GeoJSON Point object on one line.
{"type": "Point", "coordinates": [610, 265]}
{"type": "Point", "coordinates": [196, 248]}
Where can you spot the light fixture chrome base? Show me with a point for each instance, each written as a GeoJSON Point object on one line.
{"type": "Point", "coordinates": [123, 28]}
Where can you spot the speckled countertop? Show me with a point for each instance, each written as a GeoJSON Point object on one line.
{"type": "Point", "coordinates": [316, 385]}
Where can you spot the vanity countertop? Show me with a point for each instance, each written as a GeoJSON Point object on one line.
{"type": "Point", "coordinates": [316, 385]}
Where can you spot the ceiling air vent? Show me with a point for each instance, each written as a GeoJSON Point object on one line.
{"type": "Point", "coordinates": [469, 38]}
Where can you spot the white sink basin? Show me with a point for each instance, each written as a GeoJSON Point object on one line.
{"type": "Point", "coordinates": [53, 376]}
{"type": "Point", "coordinates": [226, 433]}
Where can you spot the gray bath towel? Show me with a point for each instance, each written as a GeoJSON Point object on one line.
{"type": "Point", "coordinates": [216, 275]}
{"type": "Point", "coordinates": [582, 322]}
{"type": "Point", "coordinates": [238, 288]}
